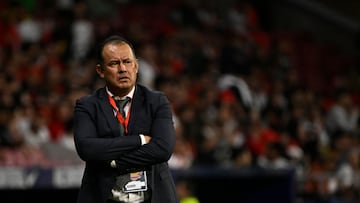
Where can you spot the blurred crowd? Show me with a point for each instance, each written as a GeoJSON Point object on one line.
{"type": "Point", "coordinates": [242, 96]}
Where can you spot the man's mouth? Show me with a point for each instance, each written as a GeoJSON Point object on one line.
{"type": "Point", "coordinates": [123, 78]}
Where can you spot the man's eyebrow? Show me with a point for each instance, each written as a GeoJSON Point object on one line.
{"type": "Point", "coordinates": [116, 59]}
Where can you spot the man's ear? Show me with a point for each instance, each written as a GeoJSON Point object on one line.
{"type": "Point", "coordinates": [100, 70]}
{"type": "Point", "coordinates": [136, 66]}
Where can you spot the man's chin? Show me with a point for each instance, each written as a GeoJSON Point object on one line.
{"type": "Point", "coordinates": [124, 85]}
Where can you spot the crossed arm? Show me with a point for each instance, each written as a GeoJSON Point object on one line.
{"type": "Point", "coordinates": [127, 151]}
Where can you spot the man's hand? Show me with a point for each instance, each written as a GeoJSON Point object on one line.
{"type": "Point", "coordinates": [147, 138]}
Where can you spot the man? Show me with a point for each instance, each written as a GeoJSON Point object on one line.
{"type": "Point", "coordinates": [126, 155]}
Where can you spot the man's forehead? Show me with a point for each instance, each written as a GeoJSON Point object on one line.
{"type": "Point", "coordinates": [122, 50]}
{"type": "Point", "coordinates": [117, 46]}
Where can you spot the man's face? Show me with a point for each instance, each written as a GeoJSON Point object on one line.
{"type": "Point", "coordinates": [119, 68]}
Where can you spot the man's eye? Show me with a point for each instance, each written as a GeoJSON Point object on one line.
{"type": "Point", "coordinates": [113, 63]}
{"type": "Point", "coordinates": [127, 61]}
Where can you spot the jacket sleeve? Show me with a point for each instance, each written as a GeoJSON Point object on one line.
{"type": "Point", "coordinates": [161, 146]}
{"type": "Point", "coordinates": [89, 144]}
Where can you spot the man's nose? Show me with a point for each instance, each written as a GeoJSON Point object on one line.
{"type": "Point", "coordinates": [122, 67]}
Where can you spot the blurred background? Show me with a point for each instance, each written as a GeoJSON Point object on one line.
{"type": "Point", "coordinates": [265, 94]}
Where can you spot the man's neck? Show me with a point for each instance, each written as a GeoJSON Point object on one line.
{"type": "Point", "coordinates": [120, 92]}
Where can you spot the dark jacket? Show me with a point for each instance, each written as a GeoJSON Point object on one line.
{"type": "Point", "coordinates": [98, 141]}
